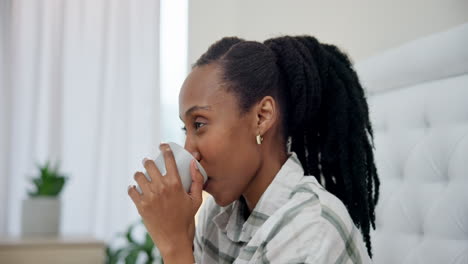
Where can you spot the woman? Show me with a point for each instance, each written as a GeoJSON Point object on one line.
{"type": "Point", "coordinates": [268, 122]}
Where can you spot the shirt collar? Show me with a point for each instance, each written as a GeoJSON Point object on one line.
{"type": "Point", "coordinates": [231, 221]}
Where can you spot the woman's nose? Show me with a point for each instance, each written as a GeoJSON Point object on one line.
{"type": "Point", "coordinates": [190, 147]}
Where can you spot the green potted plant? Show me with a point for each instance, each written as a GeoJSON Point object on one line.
{"type": "Point", "coordinates": [41, 210]}
{"type": "Point", "coordinates": [132, 249]}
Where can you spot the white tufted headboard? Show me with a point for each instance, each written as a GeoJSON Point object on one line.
{"type": "Point", "coordinates": [418, 100]}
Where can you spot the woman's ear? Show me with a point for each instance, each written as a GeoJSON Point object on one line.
{"type": "Point", "coordinates": [266, 111]}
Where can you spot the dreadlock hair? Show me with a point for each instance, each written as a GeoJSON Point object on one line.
{"type": "Point", "coordinates": [323, 110]}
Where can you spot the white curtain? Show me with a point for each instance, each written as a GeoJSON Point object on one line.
{"type": "Point", "coordinates": [78, 83]}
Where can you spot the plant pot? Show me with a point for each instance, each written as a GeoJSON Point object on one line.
{"type": "Point", "coordinates": [41, 217]}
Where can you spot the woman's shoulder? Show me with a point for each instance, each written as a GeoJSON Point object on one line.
{"type": "Point", "coordinates": [308, 207]}
{"type": "Point", "coordinates": [317, 221]}
{"type": "Point", "coordinates": [310, 188]}
{"type": "Point", "coordinates": [314, 203]}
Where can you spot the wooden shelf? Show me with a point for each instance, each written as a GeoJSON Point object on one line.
{"type": "Point", "coordinates": [63, 250]}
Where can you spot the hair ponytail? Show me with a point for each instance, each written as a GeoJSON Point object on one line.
{"type": "Point", "coordinates": [331, 131]}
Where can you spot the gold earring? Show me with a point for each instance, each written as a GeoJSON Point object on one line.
{"type": "Point", "coordinates": [259, 139]}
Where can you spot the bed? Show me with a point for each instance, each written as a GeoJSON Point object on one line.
{"type": "Point", "coordinates": [418, 102]}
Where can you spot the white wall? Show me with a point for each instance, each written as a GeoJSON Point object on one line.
{"type": "Point", "coordinates": [360, 27]}
{"type": "Point", "coordinates": [5, 7]}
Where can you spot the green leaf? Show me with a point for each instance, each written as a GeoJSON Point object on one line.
{"type": "Point", "coordinates": [50, 182]}
{"type": "Point", "coordinates": [37, 182]}
{"type": "Point", "coordinates": [52, 186]}
{"type": "Point", "coordinates": [130, 252]}
{"type": "Point", "coordinates": [132, 256]}
{"type": "Point", "coordinates": [148, 249]}
{"type": "Point", "coordinates": [112, 257]}
{"type": "Point", "coordinates": [129, 236]}
{"type": "Point", "coordinates": [149, 244]}
{"type": "Point", "coordinates": [45, 171]}
{"type": "Point", "coordinates": [109, 256]}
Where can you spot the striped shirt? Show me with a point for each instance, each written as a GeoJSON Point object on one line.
{"type": "Point", "coordinates": [295, 221]}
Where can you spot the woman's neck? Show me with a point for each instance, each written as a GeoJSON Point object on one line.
{"type": "Point", "coordinates": [269, 167]}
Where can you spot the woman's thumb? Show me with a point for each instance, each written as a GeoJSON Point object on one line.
{"type": "Point", "coordinates": [197, 183]}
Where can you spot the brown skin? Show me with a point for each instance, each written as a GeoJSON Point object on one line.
{"type": "Point", "coordinates": [224, 141]}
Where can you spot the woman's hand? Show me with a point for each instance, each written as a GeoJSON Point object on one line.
{"type": "Point", "coordinates": [167, 210]}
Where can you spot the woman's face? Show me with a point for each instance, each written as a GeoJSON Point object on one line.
{"type": "Point", "coordinates": [223, 139]}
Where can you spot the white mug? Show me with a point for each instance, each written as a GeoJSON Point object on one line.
{"type": "Point", "coordinates": [182, 158]}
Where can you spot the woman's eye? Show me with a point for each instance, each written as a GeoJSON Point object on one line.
{"type": "Point", "coordinates": [198, 125]}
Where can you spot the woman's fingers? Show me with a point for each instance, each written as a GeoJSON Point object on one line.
{"type": "Point", "coordinates": [134, 194]}
{"type": "Point", "coordinates": [142, 181]}
{"type": "Point", "coordinates": [172, 174]}
{"type": "Point", "coordinates": [160, 183]}
{"type": "Point", "coordinates": [153, 171]}
{"type": "Point", "coordinates": [197, 184]}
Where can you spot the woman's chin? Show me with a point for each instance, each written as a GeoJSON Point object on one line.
{"type": "Point", "coordinates": [222, 200]}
